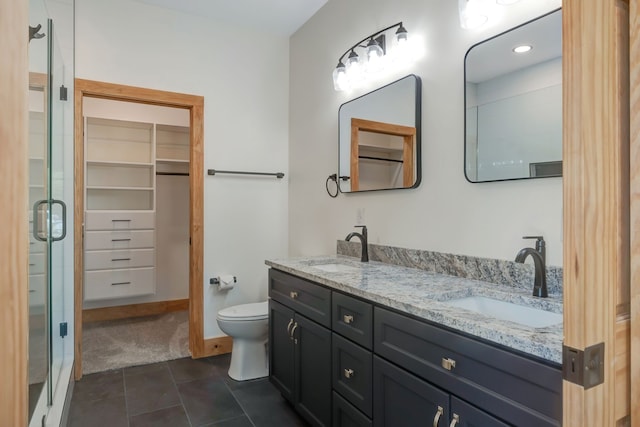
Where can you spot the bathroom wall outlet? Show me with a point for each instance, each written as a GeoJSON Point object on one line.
{"type": "Point", "coordinates": [360, 216]}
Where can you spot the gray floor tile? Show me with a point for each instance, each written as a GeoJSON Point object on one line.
{"type": "Point", "coordinates": [208, 401]}
{"type": "Point", "coordinates": [110, 412]}
{"type": "Point", "coordinates": [242, 421]}
{"type": "Point", "coordinates": [168, 417]}
{"type": "Point", "coordinates": [150, 391]}
{"type": "Point", "coordinates": [102, 385]}
{"type": "Point", "coordinates": [265, 406]}
{"type": "Point", "coordinates": [144, 369]}
{"type": "Point", "coordinates": [188, 369]}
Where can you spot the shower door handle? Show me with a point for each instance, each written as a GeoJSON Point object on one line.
{"type": "Point", "coordinates": [37, 232]}
{"type": "Point", "coordinates": [64, 220]}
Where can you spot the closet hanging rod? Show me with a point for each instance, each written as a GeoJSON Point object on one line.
{"type": "Point", "coordinates": [173, 173]}
{"type": "Point", "coordinates": [276, 174]}
{"type": "Point", "coordinates": [381, 159]}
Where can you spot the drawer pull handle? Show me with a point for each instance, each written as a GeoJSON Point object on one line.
{"type": "Point", "coordinates": [293, 331]}
{"type": "Point", "coordinates": [120, 220]}
{"type": "Point", "coordinates": [31, 291]}
{"type": "Point", "coordinates": [31, 264]}
{"type": "Point", "coordinates": [293, 294]}
{"type": "Point", "coordinates": [436, 419]}
{"type": "Point", "coordinates": [120, 283]}
{"type": "Point", "coordinates": [456, 420]}
{"type": "Point", "coordinates": [120, 240]}
{"type": "Point", "coordinates": [347, 318]}
{"type": "Point", "coordinates": [348, 373]}
{"type": "Point", "coordinates": [121, 259]}
{"type": "Point", "coordinates": [448, 364]}
{"type": "Point", "coordinates": [289, 327]}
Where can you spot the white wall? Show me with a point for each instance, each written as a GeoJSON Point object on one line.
{"type": "Point", "coordinates": [244, 77]}
{"type": "Point", "coordinates": [446, 213]}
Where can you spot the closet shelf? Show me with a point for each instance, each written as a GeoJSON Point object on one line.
{"type": "Point", "coordinates": [103, 187]}
{"type": "Point", "coordinates": [172, 161]}
{"type": "Point", "coordinates": [115, 163]}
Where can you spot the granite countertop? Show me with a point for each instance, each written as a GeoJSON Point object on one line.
{"type": "Point", "coordinates": [423, 294]}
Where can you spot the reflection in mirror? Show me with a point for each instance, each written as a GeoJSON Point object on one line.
{"type": "Point", "coordinates": [513, 116]}
{"type": "Point", "coordinates": [379, 138]}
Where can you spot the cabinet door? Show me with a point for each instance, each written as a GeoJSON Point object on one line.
{"type": "Point", "coordinates": [466, 415]}
{"type": "Point", "coordinates": [346, 415]}
{"type": "Point", "coordinates": [401, 399]}
{"type": "Point", "coordinates": [281, 349]}
{"type": "Point", "coordinates": [313, 371]}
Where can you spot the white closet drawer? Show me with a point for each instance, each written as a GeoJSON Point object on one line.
{"type": "Point", "coordinates": [107, 284]}
{"type": "Point", "coordinates": [110, 240]}
{"type": "Point", "coordinates": [36, 291]}
{"type": "Point", "coordinates": [36, 263]}
{"type": "Point", "coordinates": [126, 220]}
{"type": "Point", "coordinates": [102, 260]}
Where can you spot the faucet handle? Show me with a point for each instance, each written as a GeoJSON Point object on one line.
{"type": "Point", "coordinates": [540, 246]}
{"type": "Point", "coordinates": [539, 238]}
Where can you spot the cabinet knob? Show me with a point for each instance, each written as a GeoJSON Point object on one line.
{"type": "Point", "coordinates": [455, 420]}
{"type": "Point", "coordinates": [347, 318]}
{"type": "Point", "coordinates": [436, 419]}
{"type": "Point", "coordinates": [348, 373]}
{"type": "Point", "coordinates": [293, 294]}
{"type": "Point", "coordinates": [448, 363]}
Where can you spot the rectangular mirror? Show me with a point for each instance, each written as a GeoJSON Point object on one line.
{"type": "Point", "coordinates": [379, 138]}
{"type": "Point", "coordinates": [513, 98]}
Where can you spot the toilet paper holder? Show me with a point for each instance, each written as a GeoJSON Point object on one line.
{"type": "Point", "coordinates": [216, 280]}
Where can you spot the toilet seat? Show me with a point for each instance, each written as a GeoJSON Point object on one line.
{"type": "Point", "coordinates": [253, 311]}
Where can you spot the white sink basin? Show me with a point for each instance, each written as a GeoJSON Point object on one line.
{"type": "Point", "coordinates": [528, 316]}
{"type": "Point", "coordinates": [335, 268]}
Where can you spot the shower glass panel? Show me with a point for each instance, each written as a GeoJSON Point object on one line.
{"type": "Point", "coordinates": [49, 116]}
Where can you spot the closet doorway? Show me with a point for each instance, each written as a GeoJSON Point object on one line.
{"type": "Point", "coordinates": [105, 188]}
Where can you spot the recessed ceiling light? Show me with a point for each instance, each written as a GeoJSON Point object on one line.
{"type": "Point", "coordinates": [523, 48]}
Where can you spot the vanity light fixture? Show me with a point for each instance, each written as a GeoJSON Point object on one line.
{"type": "Point", "coordinates": [522, 48]}
{"type": "Point", "coordinates": [472, 14]}
{"type": "Point", "coordinates": [356, 67]}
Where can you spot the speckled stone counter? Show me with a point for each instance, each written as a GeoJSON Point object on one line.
{"type": "Point", "coordinates": [423, 294]}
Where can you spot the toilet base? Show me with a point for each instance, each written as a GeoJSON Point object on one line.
{"type": "Point", "coordinates": [249, 360]}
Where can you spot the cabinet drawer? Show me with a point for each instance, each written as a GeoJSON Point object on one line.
{"type": "Point", "coordinates": [103, 260]}
{"type": "Point", "coordinates": [36, 263]}
{"type": "Point", "coordinates": [126, 220]}
{"type": "Point", "coordinates": [110, 240]}
{"type": "Point", "coordinates": [352, 318]}
{"type": "Point", "coordinates": [352, 373]}
{"type": "Point", "coordinates": [307, 298]}
{"type": "Point", "coordinates": [517, 389]}
{"type": "Point", "coordinates": [470, 416]}
{"type": "Point", "coordinates": [346, 415]}
{"type": "Point", "coordinates": [107, 284]}
{"type": "Point", "coordinates": [404, 400]}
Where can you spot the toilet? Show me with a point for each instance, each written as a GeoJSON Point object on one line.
{"type": "Point", "coordinates": [248, 325]}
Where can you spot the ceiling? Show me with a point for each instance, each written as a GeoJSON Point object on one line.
{"type": "Point", "coordinates": [282, 17]}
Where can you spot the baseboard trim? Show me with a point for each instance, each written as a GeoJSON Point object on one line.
{"type": "Point", "coordinates": [134, 310]}
{"type": "Point", "coordinates": [216, 346]}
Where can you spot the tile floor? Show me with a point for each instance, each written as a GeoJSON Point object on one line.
{"type": "Point", "coordinates": [182, 392]}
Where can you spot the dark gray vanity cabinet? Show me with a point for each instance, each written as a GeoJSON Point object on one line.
{"type": "Point", "coordinates": [348, 362]}
{"type": "Point", "coordinates": [300, 348]}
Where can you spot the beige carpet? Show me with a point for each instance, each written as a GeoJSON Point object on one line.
{"type": "Point", "coordinates": [117, 344]}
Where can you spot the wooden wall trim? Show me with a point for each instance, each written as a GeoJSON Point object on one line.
{"type": "Point", "coordinates": [216, 346]}
{"type": "Point", "coordinates": [134, 310]}
{"type": "Point", "coordinates": [634, 77]}
{"type": "Point", "coordinates": [13, 211]}
{"type": "Point", "coordinates": [195, 104]}
{"type": "Point", "coordinates": [595, 195]}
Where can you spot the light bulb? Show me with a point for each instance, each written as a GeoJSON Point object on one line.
{"type": "Point", "coordinates": [471, 14]}
{"type": "Point", "coordinates": [340, 81]}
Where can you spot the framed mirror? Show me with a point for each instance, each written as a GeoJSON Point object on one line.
{"type": "Point", "coordinates": [513, 99]}
{"type": "Point", "coordinates": [379, 138]}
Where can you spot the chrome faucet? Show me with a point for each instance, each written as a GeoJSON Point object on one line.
{"type": "Point", "coordinates": [363, 241]}
{"type": "Point", "coordinates": [539, 257]}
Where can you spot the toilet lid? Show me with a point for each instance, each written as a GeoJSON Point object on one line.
{"type": "Point", "coordinates": [254, 311]}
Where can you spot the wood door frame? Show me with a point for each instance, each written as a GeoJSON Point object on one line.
{"type": "Point", "coordinates": [408, 135]}
{"type": "Point", "coordinates": [596, 188]}
{"type": "Point", "coordinates": [14, 143]}
{"type": "Point", "coordinates": [195, 105]}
